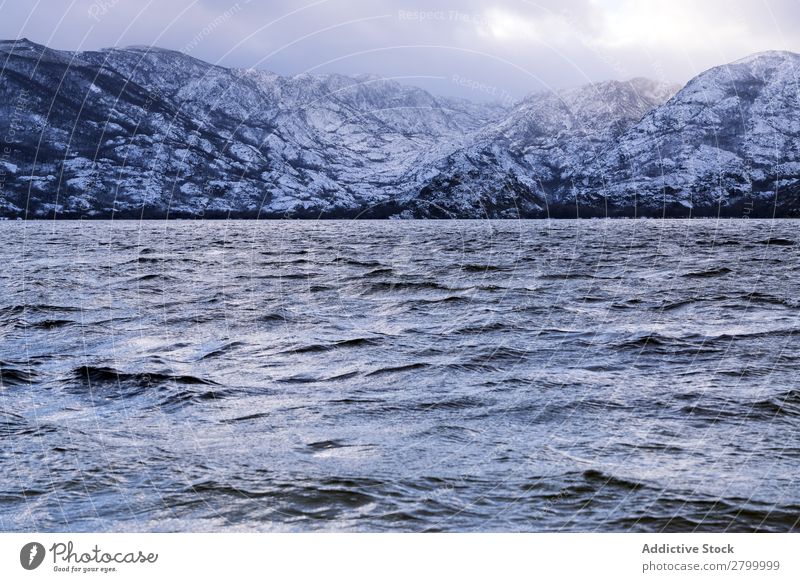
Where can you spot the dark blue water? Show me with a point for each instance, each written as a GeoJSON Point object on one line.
{"type": "Point", "coordinates": [400, 376]}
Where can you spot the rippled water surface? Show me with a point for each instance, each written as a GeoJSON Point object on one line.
{"type": "Point", "coordinates": [400, 376]}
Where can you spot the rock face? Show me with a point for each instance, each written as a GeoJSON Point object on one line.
{"type": "Point", "coordinates": [518, 166]}
{"type": "Point", "coordinates": [151, 132]}
{"type": "Point", "coordinates": [145, 132]}
{"type": "Point", "coordinates": [729, 139]}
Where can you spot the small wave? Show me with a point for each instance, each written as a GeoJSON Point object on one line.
{"type": "Point", "coordinates": [326, 347]}
{"type": "Point", "coordinates": [310, 379]}
{"type": "Point", "coordinates": [384, 286]}
{"type": "Point", "coordinates": [758, 297]}
{"type": "Point", "coordinates": [450, 432]}
{"type": "Point", "coordinates": [566, 276]}
{"type": "Point", "coordinates": [718, 243]}
{"type": "Point", "coordinates": [447, 299]}
{"type": "Point", "coordinates": [707, 413]}
{"type": "Point", "coordinates": [222, 350]}
{"type": "Point", "coordinates": [780, 242]}
{"type": "Point", "coordinates": [657, 342]}
{"type": "Point", "coordinates": [149, 277]}
{"type": "Point", "coordinates": [669, 306]}
{"type": "Point", "coordinates": [175, 399]}
{"type": "Point", "coordinates": [718, 272]}
{"type": "Point", "coordinates": [780, 332]}
{"type": "Point", "coordinates": [296, 276]}
{"type": "Point", "coordinates": [669, 514]}
{"type": "Point", "coordinates": [357, 263]}
{"type": "Point", "coordinates": [627, 304]}
{"type": "Point", "coordinates": [36, 308]}
{"type": "Point", "coordinates": [377, 272]}
{"type": "Point", "coordinates": [148, 260]}
{"type": "Point", "coordinates": [216, 487]}
{"type": "Point", "coordinates": [325, 445]}
{"type": "Point", "coordinates": [458, 403]}
{"type": "Point", "coordinates": [787, 404]}
{"type": "Point", "coordinates": [766, 410]}
{"type": "Point", "coordinates": [484, 328]}
{"type": "Point", "coordinates": [591, 404]}
{"type": "Point", "coordinates": [12, 424]}
{"type": "Point", "coordinates": [105, 375]}
{"type": "Point", "coordinates": [46, 324]}
{"type": "Point", "coordinates": [22, 494]}
{"type": "Point", "coordinates": [499, 354]}
{"type": "Point", "coordinates": [482, 268]}
{"type": "Point", "coordinates": [596, 299]}
{"type": "Point", "coordinates": [644, 340]}
{"type": "Point", "coordinates": [319, 500]}
{"type": "Point", "coordinates": [597, 480]}
{"type": "Point", "coordinates": [276, 317]}
{"type": "Point", "coordinates": [14, 375]}
{"type": "Point", "coordinates": [397, 369]}
{"type": "Point", "coordinates": [245, 418]}
{"type": "Point", "coordinates": [735, 300]}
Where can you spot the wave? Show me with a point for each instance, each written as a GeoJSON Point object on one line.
{"type": "Point", "coordinates": [596, 480]}
{"type": "Point", "coordinates": [379, 272]}
{"type": "Point", "coordinates": [668, 514]}
{"type": "Point", "coordinates": [718, 272]}
{"type": "Point", "coordinates": [222, 350]}
{"type": "Point", "coordinates": [397, 369]}
{"type": "Point", "coordinates": [327, 499]}
{"type": "Point", "coordinates": [718, 243]}
{"type": "Point", "coordinates": [450, 403]}
{"type": "Point", "coordinates": [179, 398]}
{"type": "Point", "coordinates": [384, 286]}
{"type": "Point", "coordinates": [566, 276]}
{"type": "Point", "coordinates": [781, 242]}
{"type": "Point", "coordinates": [311, 379]}
{"type": "Point", "coordinates": [334, 345]}
{"type": "Point", "coordinates": [47, 324]}
{"type": "Point", "coordinates": [742, 300]}
{"type": "Point", "coordinates": [106, 375]}
{"type": "Point", "coordinates": [16, 375]}
{"type": "Point", "coordinates": [785, 404]}
{"type": "Point", "coordinates": [36, 308]}
{"type": "Point", "coordinates": [482, 268]}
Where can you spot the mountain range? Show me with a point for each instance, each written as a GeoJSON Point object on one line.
{"type": "Point", "coordinates": [147, 132]}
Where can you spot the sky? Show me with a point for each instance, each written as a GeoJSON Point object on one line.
{"type": "Point", "coordinates": [484, 50]}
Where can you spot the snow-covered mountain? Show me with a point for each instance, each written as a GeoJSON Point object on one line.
{"type": "Point", "coordinates": [150, 132]}
{"type": "Point", "coordinates": [729, 139]}
{"type": "Point", "coordinates": [517, 166]}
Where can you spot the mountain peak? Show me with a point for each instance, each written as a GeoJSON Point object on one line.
{"type": "Point", "coordinates": [19, 44]}
{"type": "Point", "coordinates": [765, 56]}
{"type": "Point", "coordinates": [143, 48]}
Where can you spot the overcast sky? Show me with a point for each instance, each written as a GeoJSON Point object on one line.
{"type": "Point", "coordinates": [479, 49]}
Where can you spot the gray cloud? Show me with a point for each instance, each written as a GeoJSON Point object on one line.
{"type": "Point", "coordinates": [505, 47]}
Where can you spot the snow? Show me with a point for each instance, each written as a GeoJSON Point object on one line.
{"type": "Point", "coordinates": [325, 142]}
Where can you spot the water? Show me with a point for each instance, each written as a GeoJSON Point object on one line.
{"type": "Point", "coordinates": [400, 376]}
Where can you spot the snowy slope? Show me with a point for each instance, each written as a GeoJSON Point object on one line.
{"type": "Point", "coordinates": [731, 136]}
{"type": "Point", "coordinates": [150, 132]}
{"type": "Point", "coordinates": [516, 166]}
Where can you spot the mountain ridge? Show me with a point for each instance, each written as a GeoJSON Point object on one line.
{"type": "Point", "coordinates": [148, 132]}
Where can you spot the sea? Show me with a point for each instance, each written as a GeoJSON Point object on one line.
{"type": "Point", "coordinates": [400, 376]}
